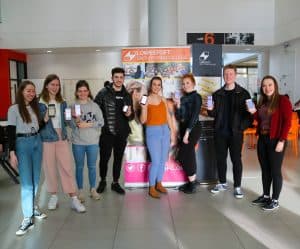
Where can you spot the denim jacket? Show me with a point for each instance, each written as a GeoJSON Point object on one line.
{"type": "Point", "coordinates": [48, 133]}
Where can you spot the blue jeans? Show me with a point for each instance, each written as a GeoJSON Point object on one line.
{"type": "Point", "coordinates": [158, 143]}
{"type": "Point", "coordinates": [29, 154]}
{"type": "Point", "coordinates": [91, 152]}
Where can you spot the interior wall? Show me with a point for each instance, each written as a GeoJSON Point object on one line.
{"type": "Point", "coordinates": [285, 66]}
{"type": "Point", "coordinates": [287, 20]}
{"type": "Point", "coordinates": [93, 67]}
{"type": "Point", "coordinates": [229, 16]}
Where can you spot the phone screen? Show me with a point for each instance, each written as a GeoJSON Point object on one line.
{"type": "Point", "coordinates": [144, 100]}
{"type": "Point", "coordinates": [68, 113]}
{"type": "Point", "coordinates": [51, 110]}
{"type": "Point", "coordinates": [77, 110]}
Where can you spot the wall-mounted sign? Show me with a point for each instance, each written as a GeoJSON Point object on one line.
{"type": "Point", "coordinates": [221, 38]}
{"type": "Point", "coordinates": [207, 60]}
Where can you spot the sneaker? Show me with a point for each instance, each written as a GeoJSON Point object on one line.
{"type": "Point", "coordinates": [115, 186]}
{"type": "Point", "coordinates": [238, 193]}
{"type": "Point", "coordinates": [261, 201]}
{"type": "Point", "coordinates": [101, 186]}
{"type": "Point", "coordinates": [26, 225]}
{"type": "Point", "coordinates": [94, 195]}
{"type": "Point", "coordinates": [53, 202]}
{"type": "Point", "coordinates": [76, 205]}
{"type": "Point", "coordinates": [38, 214]}
{"type": "Point", "coordinates": [272, 205]}
{"type": "Point", "coordinates": [219, 187]}
{"type": "Point", "coordinates": [191, 188]}
{"type": "Point", "coordinates": [81, 196]}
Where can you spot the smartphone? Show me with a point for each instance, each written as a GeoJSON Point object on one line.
{"type": "Point", "coordinates": [77, 110]}
{"type": "Point", "coordinates": [125, 108]}
{"type": "Point", "coordinates": [51, 110]}
{"type": "Point", "coordinates": [177, 94]}
{"type": "Point", "coordinates": [209, 102]}
{"type": "Point", "coordinates": [250, 104]}
{"type": "Point", "coordinates": [68, 114]}
{"type": "Point", "coordinates": [144, 100]}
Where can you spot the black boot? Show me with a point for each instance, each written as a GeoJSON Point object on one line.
{"type": "Point", "coordinates": [101, 186]}
{"type": "Point", "coordinates": [183, 187]}
{"type": "Point", "coordinates": [191, 188]}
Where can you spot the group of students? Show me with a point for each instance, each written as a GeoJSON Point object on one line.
{"type": "Point", "coordinates": [273, 114]}
{"type": "Point", "coordinates": [37, 135]}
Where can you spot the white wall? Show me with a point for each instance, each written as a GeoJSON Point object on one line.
{"type": "Point", "coordinates": [219, 16]}
{"type": "Point", "coordinates": [93, 67]}
{"type": "Point", "coordinates": [73, 23]}
{"type": "Point", "coordinates": [285, 66]}
{"type": "Point", "coordinates": [74, 66]}
{"type": "Point", "coordinates": [287, 20]}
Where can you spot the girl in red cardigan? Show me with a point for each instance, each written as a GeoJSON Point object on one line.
{"type": "Point", "coordinates": [273, 114]}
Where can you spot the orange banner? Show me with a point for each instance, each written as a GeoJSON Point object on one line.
{"type": "Point", "coordinates": [176, 54]}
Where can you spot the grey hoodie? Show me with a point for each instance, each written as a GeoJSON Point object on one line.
{"type": "Point", "coordinates": [90, 112]}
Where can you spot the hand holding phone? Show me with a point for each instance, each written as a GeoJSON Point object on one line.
{"type": "Point", "coordinates": [51, 110]}
{"type": "Point", "coordinates": [77, 110]}
{"type": "Point", "coordinates": [210, 104]}
{"type": "Point", "coordinates": [68, 114]}
{"type": "Point", "coordinates": [250, 106]}
{"type": "Point", "coordinates": [144, 100]}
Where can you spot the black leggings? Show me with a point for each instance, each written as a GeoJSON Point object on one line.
{"type": "Point", "coordinates": [270, 163]}
{"type": "Point", "coordinates": [186, 153]}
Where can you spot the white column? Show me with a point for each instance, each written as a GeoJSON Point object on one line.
{"type": "Point", "coordinates": [163, 23]}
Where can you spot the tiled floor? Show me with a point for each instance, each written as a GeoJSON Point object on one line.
{"type": "Point", "coordinates": [176, 221]}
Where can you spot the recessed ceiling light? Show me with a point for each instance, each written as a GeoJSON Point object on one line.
{"type": "Point", "coordinates": [247, 49]}
{"type": "Point", "coordinates": [98, 50]}
{"type": "Point", "coordinates": [49, 51]}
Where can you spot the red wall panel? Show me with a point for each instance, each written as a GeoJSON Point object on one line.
{"type": "Point", "coordinates": [5, 56]}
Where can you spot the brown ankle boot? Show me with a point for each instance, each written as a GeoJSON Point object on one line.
{"type": "Point", "coordinates": [159, 187]}
{"type": "Point", "coordinates": [153, 193]}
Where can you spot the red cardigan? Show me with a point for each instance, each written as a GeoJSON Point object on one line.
{"type": "Point", "coordinates": [280, 119]}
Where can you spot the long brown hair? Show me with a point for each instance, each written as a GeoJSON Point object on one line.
{"type": "Point", "coordinates": [22, 105]}
{"type": "Point", "coordinates": [151, 82]}
{"type": "Point", "coordinates": [83, 83]}
{"type": "Point", "coordinates": [45, 93]}
{"type": "Point", "coordinates": [272, 102]}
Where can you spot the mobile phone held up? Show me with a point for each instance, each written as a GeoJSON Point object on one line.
{"type": "Point", "coordinates": [51, 110]}
{"type": "Point", "coordinates": [77, 110]}
{"type": "Point", "coordinates": [250, 104]}
{"type": "Point", "coordinates": [144, 100]}
{"type": "Point", "coordinates": [68, 114]}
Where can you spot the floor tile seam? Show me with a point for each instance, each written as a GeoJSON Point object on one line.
{"type": "Point", "coordinates": [117, 225]}
{"type": "Point", "coordinates": [59, 230]}
{"type": "Point", "coordinates": [173, 224]}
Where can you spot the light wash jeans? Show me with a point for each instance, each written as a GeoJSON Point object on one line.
{"type": "Point", "coordinates": [29, 154]}
{"type": "Point", "coordinates": [158, 143]}
{"type": "Point", "coordinates": [91, 152]}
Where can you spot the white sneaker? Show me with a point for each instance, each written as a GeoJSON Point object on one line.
{"type": "Point", "coordinates": [26, 225]}
{"type": "Point", "coordinates": [53, 202]}
{"type": "Point", "coordinates": [38, 214]}
{"type": "Point", "coordinates": [81, 196]}
{"type": "Point", "coordinates": [94, 195]}
{"type": "Point", "coordinates": [76, 205]}
{"type": "Point", "coordinates": [238, 193]}
{"type": "Point", "coordinates": [219, 187]}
